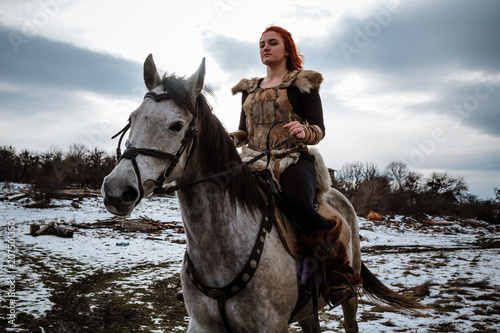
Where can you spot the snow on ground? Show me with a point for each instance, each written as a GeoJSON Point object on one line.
{"type": "Point", "coordinates": [89, 251]}
{"type": "Point", "coordinates": [461, 272]}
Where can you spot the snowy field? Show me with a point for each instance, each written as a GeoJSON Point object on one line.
{"type": "Point", "coordinates": [89, 283]}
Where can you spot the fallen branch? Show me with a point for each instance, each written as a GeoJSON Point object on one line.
{"type": "Point", "coordinates": [52, 228]}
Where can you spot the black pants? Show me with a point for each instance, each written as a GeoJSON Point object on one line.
{"type": "Point", "coordinates": [298, 185]}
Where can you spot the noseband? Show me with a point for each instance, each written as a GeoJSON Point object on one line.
{"type": "Point", "coordinates": [132, 152]}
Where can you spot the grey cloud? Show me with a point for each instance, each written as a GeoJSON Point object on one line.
{"type": "Point", "coordinates": [472, 104]}
{"type": "Point", "coordinates": [28, 103]}
{"type": "Point", "coordinates": [53, 64]}
{"type": "Point", "coordinates": [17, 104]}
{"type": "Point", "coordinates": [474, 161]}
{"type": "Point", "coordinates": [421, 49]}
{"type": "Point", "coordinates": [233, 55]}
{"type": "Point", "coordinates": [430, 35]}
{"type": "Point", "coordinates": [42, 88]}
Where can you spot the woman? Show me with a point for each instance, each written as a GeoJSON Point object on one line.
{"type": "Point", "coordinates": [290, 94]}
{"type": "Point", "coordinates": [287, 93]}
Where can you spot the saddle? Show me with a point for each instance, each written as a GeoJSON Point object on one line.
{"type": "Point", "coordinates": [287, 228]}
{"type": "Point", "coordinates": [332, 247]}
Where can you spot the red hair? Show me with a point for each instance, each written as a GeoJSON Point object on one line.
{"type": "Point", "coordinates": [295, 59]}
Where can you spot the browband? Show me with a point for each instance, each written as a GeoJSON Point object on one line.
{"type": "Point", "coordinates": [157, 97]}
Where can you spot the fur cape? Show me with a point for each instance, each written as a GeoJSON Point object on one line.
{"type": "Point", "coordinates": [305, 80]}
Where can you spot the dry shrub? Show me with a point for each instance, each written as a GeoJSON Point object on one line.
{"type": "Point", "coordinates": [422, 290]}
{"type": "Point", "coordinates": [43, 189]}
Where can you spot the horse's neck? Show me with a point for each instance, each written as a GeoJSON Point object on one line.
{"type": "Point", "coordinates": [219, 235]}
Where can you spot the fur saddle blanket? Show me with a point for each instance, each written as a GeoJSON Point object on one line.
{"type": "Point", "coordinates": [281, 159]}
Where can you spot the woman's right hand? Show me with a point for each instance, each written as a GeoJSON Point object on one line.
{"type": "Point", "coordinates": [295, 128]}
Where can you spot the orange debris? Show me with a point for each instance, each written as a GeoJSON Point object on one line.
{"type": "Point", "coordinates": [374, 216]}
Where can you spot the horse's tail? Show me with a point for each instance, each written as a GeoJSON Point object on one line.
{"type": "Point", "coordinates": [378, 292]}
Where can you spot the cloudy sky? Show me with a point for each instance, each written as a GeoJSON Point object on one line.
{"type": "Point", "coordinates": [416, 81]}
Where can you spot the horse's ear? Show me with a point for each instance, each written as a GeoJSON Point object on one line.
{"type": "Point", "coordinates": [195, 82]}
{"type": "Point", "coordinates": [151, 77]}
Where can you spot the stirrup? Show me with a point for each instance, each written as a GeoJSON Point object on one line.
{"type": "Point", "coordinates": [337, 296]}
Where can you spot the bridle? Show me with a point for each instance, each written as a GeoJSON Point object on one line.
{"type": "Point", "coordinates": [132, 152]}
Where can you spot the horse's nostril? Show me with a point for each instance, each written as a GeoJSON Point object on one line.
{"type": "Point", "coordinates": [130, 195]}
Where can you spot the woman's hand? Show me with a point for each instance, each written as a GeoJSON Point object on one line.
{"type": "Point", "coordinates": [295, 128]}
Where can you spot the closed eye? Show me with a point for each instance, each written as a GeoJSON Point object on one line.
{"type": "Point", "coordinates": [176, 127]}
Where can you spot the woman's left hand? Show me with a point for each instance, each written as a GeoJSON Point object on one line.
{"type": "Point", "coordinates": [295, 128]}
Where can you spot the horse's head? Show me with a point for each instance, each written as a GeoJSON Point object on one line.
{"type": "Point", "coordinates": [162, 133]}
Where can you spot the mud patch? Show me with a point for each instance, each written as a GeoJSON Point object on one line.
{"type": "Point", "coordinates": [95, 304]}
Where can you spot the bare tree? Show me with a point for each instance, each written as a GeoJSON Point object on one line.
{"type": "Point", "coordinates": [413, 181]}
{"type": "Point", "coordinates": [397, 172]}
{"type": "Point", "coordinates": [75, 164]}
{"type": "Point", "coordinates": [441, 182]}
{"type": "Point", "coordinates": [349, 177]}
{"type": "Point", "coordinates": [28, 165]}
{"type": "Point", "coordinates": [9, 163]}
{"type": "Point", "coordinates": [370, 171]}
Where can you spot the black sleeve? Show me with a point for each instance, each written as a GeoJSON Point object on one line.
{"type": "Point", "coordinates": [307, 106]}
{"type": "Point", "coordinates": [243, 117]}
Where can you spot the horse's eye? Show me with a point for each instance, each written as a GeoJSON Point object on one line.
{"type": "Point", "coordinates": [177, 126]}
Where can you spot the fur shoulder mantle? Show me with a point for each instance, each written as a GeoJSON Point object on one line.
{"type": "Point", "coordinates": [305, 80]}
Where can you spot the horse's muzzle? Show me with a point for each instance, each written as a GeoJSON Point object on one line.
{"type": "Point", "coordinates": [120, 198]}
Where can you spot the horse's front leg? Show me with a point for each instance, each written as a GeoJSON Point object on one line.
{"type": "Point", "coordinates": [205, 326]}
{"type": "Point", "coordinates": [350, 308]}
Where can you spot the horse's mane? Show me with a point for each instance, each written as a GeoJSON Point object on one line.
{"type": "Point", "coordinates": [215, 150]}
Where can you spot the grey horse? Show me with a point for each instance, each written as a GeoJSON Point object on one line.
{"type": "Point", "coordinates": [175, 138]}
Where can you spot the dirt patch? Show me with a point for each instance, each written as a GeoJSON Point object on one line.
{"type": "Point", "coordinates": [95, 304]}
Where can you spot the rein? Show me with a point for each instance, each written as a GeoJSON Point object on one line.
{"type": "Point", "coordinates": [230, 172]}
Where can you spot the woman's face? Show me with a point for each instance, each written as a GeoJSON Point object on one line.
{"type": "Point", "coordinates": [272, 49]}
